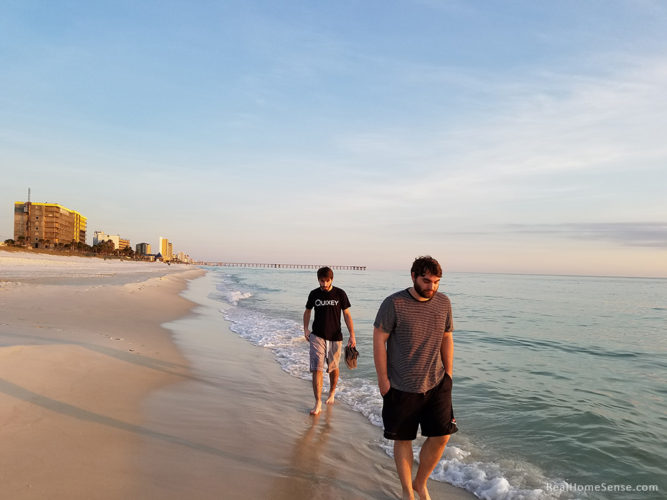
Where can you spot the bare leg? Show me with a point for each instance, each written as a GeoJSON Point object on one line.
{"type": "Point", "coordinates": [317, 391]}
{"type": "Point", "coordinates": [429, 456]}
{"type": "Point", "coordinates": [403, 458]}
{"type": "Point", "coordinates": [333, 381]}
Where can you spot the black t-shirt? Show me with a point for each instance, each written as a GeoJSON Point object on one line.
{"type": "Point", "coordinates": [328, 306]}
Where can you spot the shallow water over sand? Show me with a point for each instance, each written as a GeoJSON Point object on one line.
{"type": "Point", "coordinates": [559, 381]}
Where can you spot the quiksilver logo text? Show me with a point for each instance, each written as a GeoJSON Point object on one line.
{"type": "Point", "coordinates": [319, 302]}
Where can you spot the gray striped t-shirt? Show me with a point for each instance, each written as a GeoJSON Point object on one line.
{"type": "Point", "coordinates": [415, 331]}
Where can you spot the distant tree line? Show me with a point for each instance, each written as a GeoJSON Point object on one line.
{"type": "Point", "coordinates": [104, 248]}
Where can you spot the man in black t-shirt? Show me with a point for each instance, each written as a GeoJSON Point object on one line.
{"type": "Point", "coordinates": [326, 337]}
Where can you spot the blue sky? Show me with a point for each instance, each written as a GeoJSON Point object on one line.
{"type": "Point", "coordinates": [513, 136]}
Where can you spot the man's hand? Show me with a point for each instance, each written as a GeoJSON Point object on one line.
{"type": "Point", "coordinates": [306, 324]}
{"type": "Point", "coordinates": [384, 386]}
{"type": "Point", "coordinates": [380, 359]}
{"type": "Point", "coordinates": [352, 342]}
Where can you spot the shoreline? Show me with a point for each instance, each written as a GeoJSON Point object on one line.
{"type": "Point", "coordinates": [252, 435]}
{"type": "Point", "coordinates": [117, 386]}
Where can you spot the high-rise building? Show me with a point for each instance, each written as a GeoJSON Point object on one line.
{"type": "Point", "coordinates": [184, 258]}
{"type": "Point", "coordinates": [165, 249]}
{"type": "Point", "coordinates": [143, 248]}
{"type": "Point", "coordinates": [45, 224]}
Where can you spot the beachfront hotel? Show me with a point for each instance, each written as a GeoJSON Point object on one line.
{"type": "Point", "coordinates": [166, 249]}
{"type": "Point", "coordinates": [184, 258]}
{"type": "Point", "coordinates": [42, 225]}
{"type": "Point", "coordinates": [119, 243]}
{"type": "Point", "coordinates": [143, 249]}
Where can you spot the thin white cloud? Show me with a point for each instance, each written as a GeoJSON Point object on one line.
{"type": "Point", "coordinates": [547, 127]}
{"type": "Point", "coordinates": [637, 234]}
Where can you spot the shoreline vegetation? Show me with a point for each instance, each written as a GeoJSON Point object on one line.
{"type": "Point", "coordinates": [104, 250]}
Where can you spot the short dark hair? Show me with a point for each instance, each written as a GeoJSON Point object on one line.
{"type": "Point", "coordinates": [324, 272]}
{"type": "Point", "coordinates": [426, 264]}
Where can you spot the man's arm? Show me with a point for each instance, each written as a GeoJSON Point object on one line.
{"type": "Point", "coordinates": [306, 324]}
{"type": "Point", "coordinates": [447, 352]}
{"type": "Point", "coordinates": [380, 358]}
{"type": "Point", "coordinates": [350, 327]}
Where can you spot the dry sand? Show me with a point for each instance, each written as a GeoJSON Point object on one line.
{"type": "Point", "coordinates": [98, 402]}
{"type": "Point", "coordinates": [78, 353]}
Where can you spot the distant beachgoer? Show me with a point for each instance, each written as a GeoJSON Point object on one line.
{"type": "Point", "coordinates": [413, 350]}
{"type": "Point", "coordinates": [326, 337]}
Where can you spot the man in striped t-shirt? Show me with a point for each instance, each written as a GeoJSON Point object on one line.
{"type": "Point", "coordinates": [413, 349]}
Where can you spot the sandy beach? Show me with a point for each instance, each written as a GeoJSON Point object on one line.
{"type": "Point", "coordinates": [80, 348]}
{"type": "Point", "coordinates": [114, 385]}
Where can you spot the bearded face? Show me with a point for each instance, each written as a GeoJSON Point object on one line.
{"type": "Point", "coordinates": [426, 285]}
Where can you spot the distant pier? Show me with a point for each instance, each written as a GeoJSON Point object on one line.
{"type": "Point", "coordinates": [281, 266]}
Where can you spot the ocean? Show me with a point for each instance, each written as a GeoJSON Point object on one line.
{"type": "Point", "coordinates": [560, 382]}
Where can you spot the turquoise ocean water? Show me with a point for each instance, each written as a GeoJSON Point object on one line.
{"type": "Point", "coordinates": [560, 383]}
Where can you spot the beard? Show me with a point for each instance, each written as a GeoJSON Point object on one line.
{"type": "Point", "coordinates": [427, 294]}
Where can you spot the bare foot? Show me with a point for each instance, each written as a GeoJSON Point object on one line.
{"type": "Point", "coordinates": [330, 399]}
{"type": "Point", "coordinates": [423, 494]}
{"type": "Point", "coordinates": [316, 409]}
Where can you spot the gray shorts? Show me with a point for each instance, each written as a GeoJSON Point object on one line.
{"type": "Point", "coordinates": [320, 350]}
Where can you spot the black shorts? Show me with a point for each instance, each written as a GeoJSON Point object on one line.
{"type": "Point", "coordinates": [404, 412]}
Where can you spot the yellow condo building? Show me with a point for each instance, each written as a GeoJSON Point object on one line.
{"type": "Point", "coordinates": [44, 224]}
{"type": "Point", "coordinates": [166, 249]}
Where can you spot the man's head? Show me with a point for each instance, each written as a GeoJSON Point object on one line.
{"type": "Point", "coordinates": [426, 273]}
{"type": "Point", "coordinates": [325, 277]}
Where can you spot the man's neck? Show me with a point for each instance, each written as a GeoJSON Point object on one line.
{"type": "Point", "coordinates": [416, 296]}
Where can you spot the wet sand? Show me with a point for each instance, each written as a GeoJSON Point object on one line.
{"type": "Point", "coordinates": [241, 427]}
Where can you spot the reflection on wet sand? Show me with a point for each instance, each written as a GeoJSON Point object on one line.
{"type": "Point", "coordinates": [306, 459]}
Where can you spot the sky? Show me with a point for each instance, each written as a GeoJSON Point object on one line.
{"type": "Point", "coordinates": [497, 136]}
